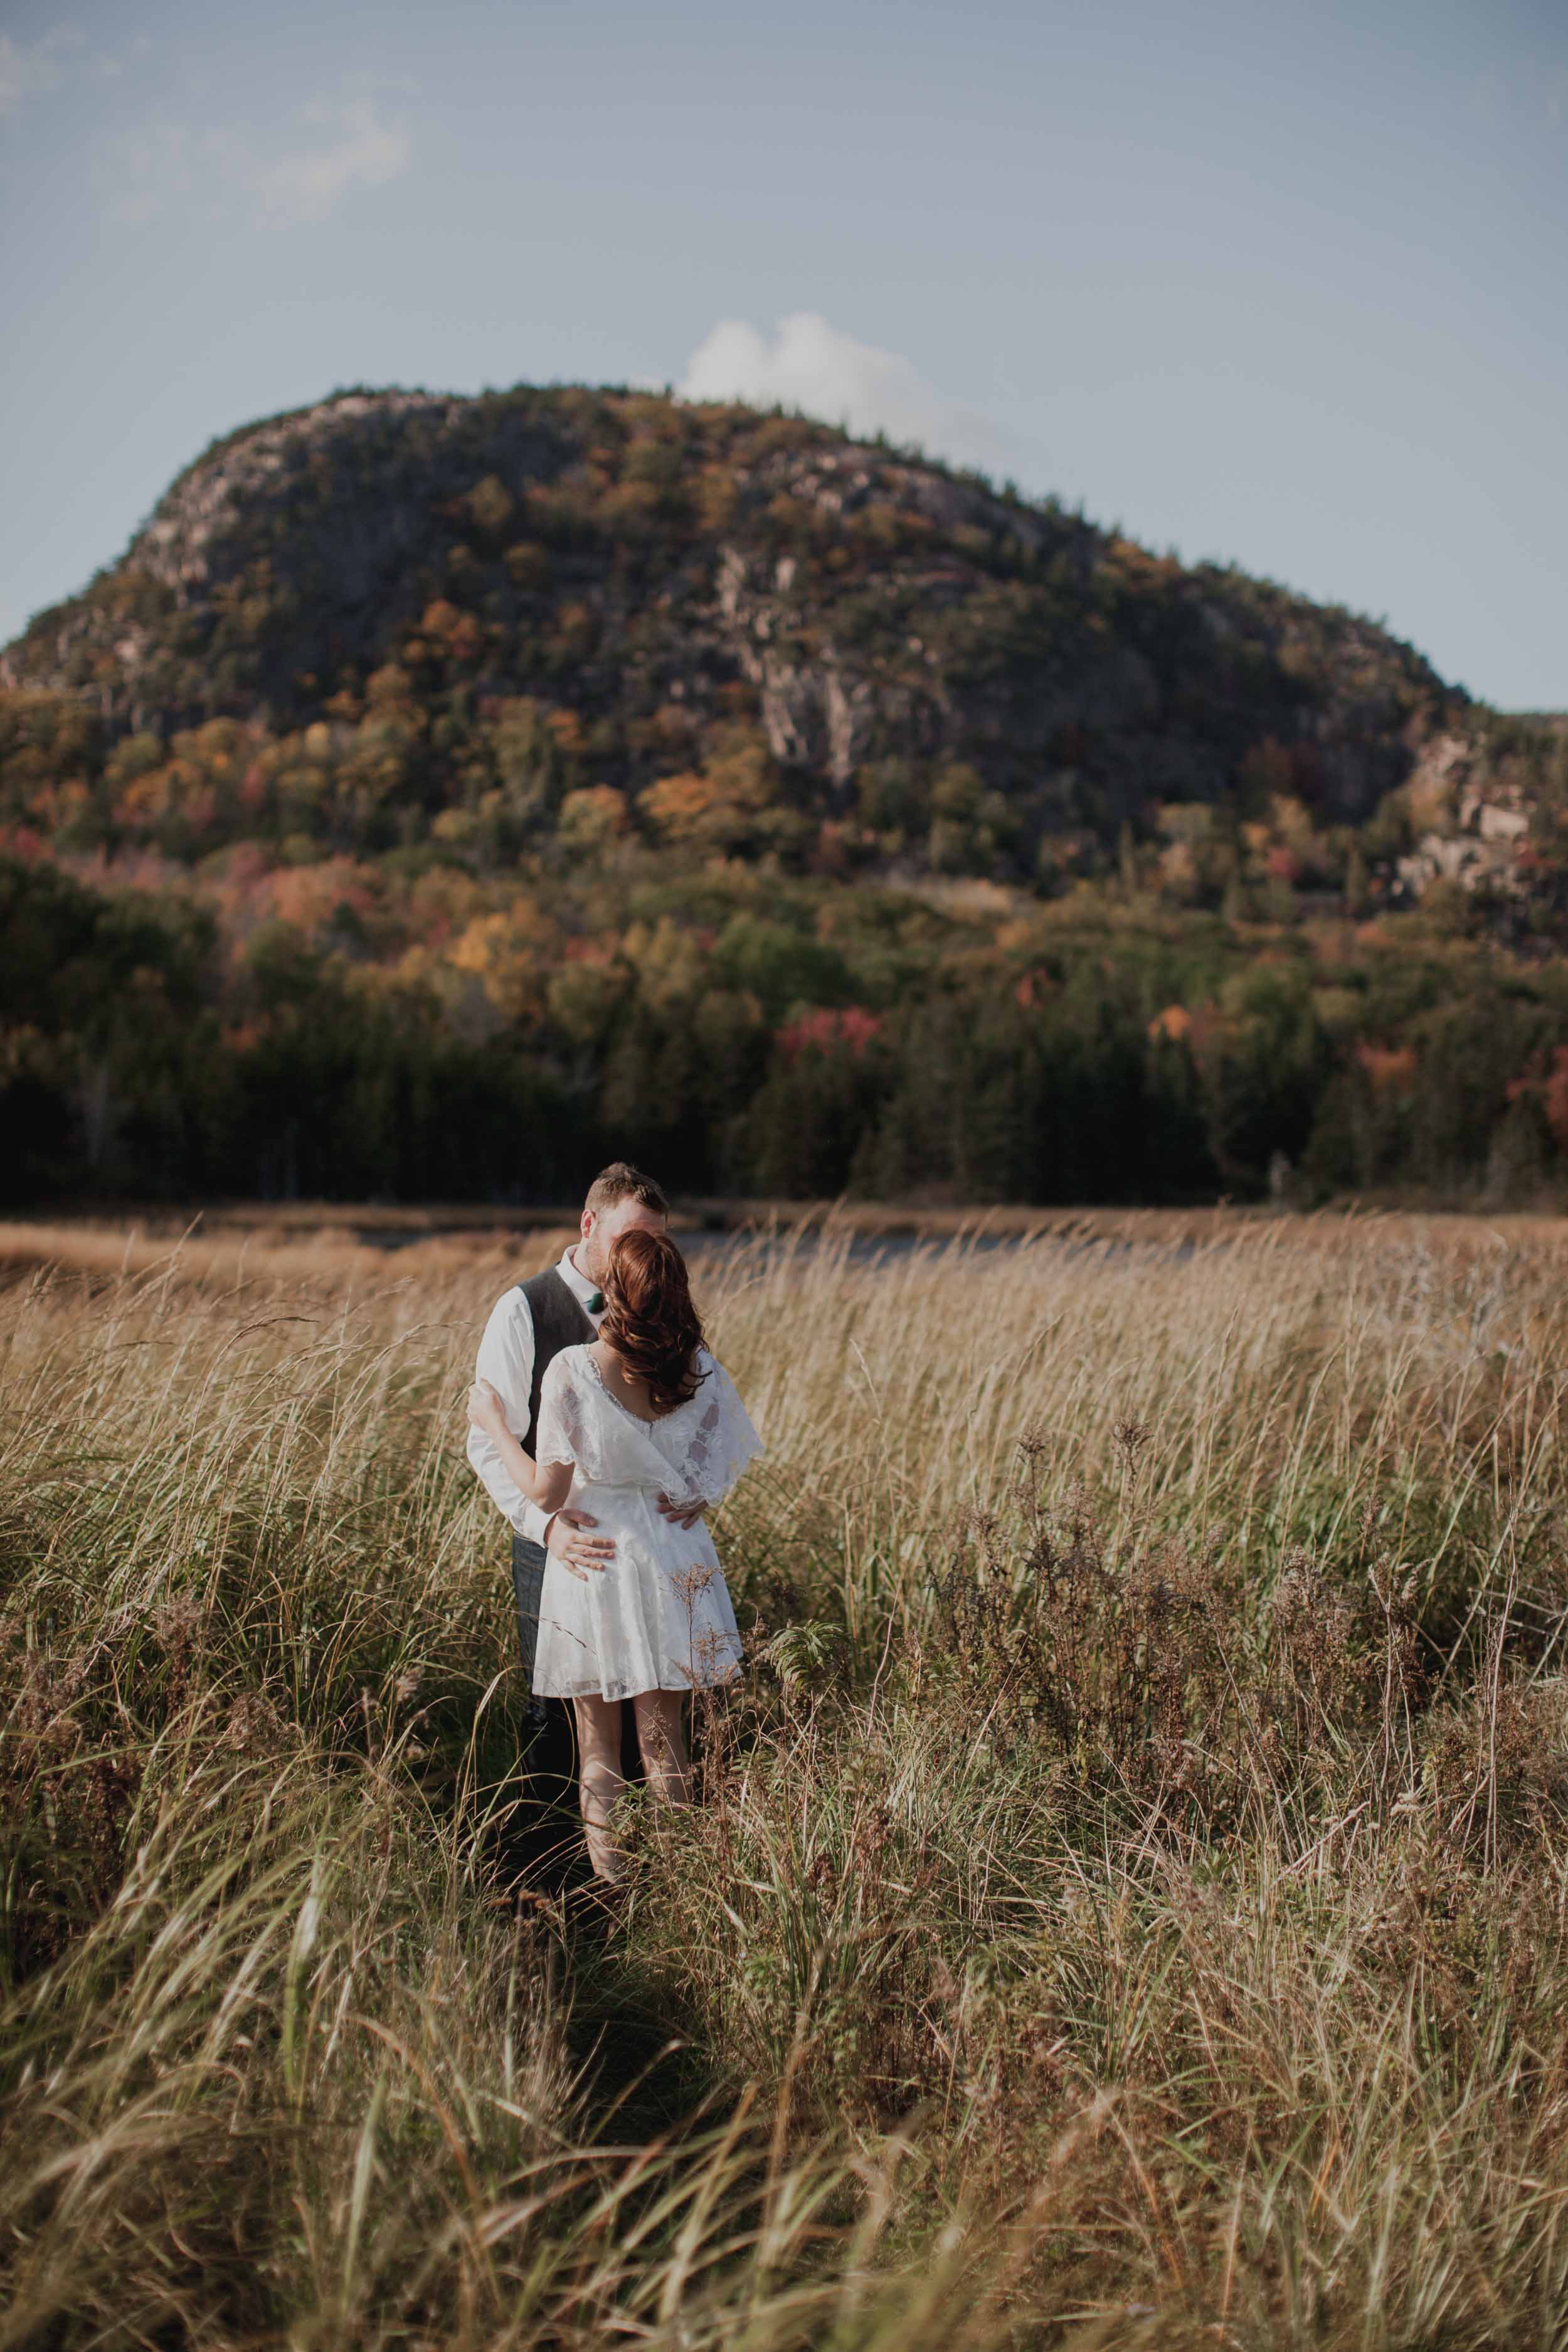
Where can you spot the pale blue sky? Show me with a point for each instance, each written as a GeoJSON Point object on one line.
{"type": "Point", "coordinates": [1279, 283]}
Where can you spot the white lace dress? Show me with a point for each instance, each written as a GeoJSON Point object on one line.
{"type": "Point", "coordinates": [659, 1617]}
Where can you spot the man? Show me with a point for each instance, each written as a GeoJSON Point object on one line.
{"type": "Point", "coordinates": [528, 1325]}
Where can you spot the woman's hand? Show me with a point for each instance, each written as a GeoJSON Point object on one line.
{"type": "Point", "coordinates": [485, 1408]}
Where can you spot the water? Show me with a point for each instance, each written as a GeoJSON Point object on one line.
{"type": "Point", "coordinates": [855, 1249]}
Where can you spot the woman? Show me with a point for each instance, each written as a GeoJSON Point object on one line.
{"type": "Point", "coordinates": [643, 1412]}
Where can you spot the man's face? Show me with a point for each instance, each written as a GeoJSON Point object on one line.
{"type": "Point", "coordinates": [593, 1252]}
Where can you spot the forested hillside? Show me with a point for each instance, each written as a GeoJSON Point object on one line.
{"type": "Point", "coordinates": [441, 793]}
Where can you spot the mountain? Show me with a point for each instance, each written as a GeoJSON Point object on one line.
{"type": "Point", "coordinates": [442, 796]}
{"type": "Point", "coordinates": [802, 627]}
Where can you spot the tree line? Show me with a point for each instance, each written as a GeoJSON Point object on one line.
{"type": "Point", "coordinates": [960, 1053]}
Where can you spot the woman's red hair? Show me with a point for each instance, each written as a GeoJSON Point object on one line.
{"type": "Point", "coordinates": [649, 1320]}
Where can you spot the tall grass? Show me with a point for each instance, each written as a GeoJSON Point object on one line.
{"type": "Point", "coordinates": [1128, 1902]}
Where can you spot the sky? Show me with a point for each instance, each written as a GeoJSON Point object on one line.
{"type": "Point", "coordinates": [1280, 285]}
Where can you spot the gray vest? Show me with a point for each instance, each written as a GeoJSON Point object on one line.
{"type": "Point", "coordinates": [560, 1320]}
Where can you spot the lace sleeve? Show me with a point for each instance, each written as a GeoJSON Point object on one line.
{"type": "Point", "coordinates": [560, 1433]}
{"type": "Point", "coordinates": [724, 1441]}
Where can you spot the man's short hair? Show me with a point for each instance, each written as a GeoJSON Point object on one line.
{"type": "Point", "coordinates": [621, 1181]}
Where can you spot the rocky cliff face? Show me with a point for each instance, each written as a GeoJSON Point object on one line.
{"type": "Point", "coordinates": [658, 571]}
{"type": "Point", "coordinates": [1483, 808]}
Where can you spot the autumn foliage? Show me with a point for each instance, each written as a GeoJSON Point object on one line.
{"type": "Point", "coordinates": [501, 784]}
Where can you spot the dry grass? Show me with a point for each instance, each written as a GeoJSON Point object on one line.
{"type": "Point", "coordinates": [1129, 1904]}
{"type": "Point", "coordinates": [237, 1255]}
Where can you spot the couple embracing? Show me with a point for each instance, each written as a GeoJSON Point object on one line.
{"type": "Point", "coordinates": [604, 1431]}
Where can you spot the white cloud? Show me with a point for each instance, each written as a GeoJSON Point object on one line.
{"type": "Point", "coordinates": [160, 162]}
{"type": "Point", "coordinates": [358, 150]}
{"type": "Point", "coordinates": [27, 72]}
{"type": "Point", "coordinates": [809, 364]}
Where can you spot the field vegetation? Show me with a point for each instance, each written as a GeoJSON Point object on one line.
{"type": "Point", "coordinates": [1127, 1905]}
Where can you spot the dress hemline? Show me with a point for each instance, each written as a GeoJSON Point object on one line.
{"type": "Point", "coordinates": [595, 1690]}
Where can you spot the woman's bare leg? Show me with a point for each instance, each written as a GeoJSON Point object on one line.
{"type": "Point", "coordinates": [663, 1745]}
{"type": "Point", "coordinates": [599, 1749]}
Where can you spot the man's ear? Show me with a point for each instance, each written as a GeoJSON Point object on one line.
{"type": "Point", "coordinates": [586, 1224]}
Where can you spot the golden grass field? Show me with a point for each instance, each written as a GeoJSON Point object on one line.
{"type": "Point", "coordinates": [1127, 1906]}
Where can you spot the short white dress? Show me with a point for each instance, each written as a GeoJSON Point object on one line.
{"type": "Point", "coordinates": [658, 1616]}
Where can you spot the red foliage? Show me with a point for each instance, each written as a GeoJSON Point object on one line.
{"type": "Point", "coordinates": [1551, 1087]}
{"type": "Point", "coordinates": [825, 1031]}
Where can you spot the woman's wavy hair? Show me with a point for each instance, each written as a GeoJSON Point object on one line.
{"type": "Point", "coordinates": [649, 1320]}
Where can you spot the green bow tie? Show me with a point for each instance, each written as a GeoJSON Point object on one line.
{"type": "Point", "coordinates": [594, 1302]}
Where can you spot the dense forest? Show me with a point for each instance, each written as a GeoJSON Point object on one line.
{"type": "Point", "coordinates": [442, 794]}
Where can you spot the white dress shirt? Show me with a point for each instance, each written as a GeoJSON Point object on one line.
{"type": "Point", "coordinates": [506, 1360]}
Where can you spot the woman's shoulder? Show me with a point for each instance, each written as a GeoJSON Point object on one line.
{"type": "Point", "coordinates": [566, 1360]}
{"type": "Point", "coordinates": [705, 1366]}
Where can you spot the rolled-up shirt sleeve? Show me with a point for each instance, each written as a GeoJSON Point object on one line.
{"type": "Point", "coordinates": [506, 1360]}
